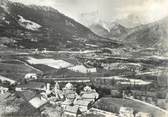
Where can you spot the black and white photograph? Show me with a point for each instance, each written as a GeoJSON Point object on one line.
{"type": "Point", "coordinates": [83, 58]}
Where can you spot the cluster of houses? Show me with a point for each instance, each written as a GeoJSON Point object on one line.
{"type": "Point", "coordinates": [66, 101]}
{"type": "Point", "coordinates": [72, 104]}
{"type": "Point", "coordinates": [126, 66]}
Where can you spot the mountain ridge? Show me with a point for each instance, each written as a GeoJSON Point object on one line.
{"type": "Point", "coordinates": [114, 31]}
{"type": "Point", "coordinates": [151, 35]}
{"type": "Point", "coordinates": [55, 30]}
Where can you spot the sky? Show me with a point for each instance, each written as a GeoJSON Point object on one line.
{"type": "Point", "coordinates": [90, 11]}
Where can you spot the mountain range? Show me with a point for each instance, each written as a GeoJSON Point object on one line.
{"type": "Point", "coordinates": [152, 35]}
{"type": "Point", "coordinates": [30, 27]}
{"type": "Point", "coordinates": [113, 31]}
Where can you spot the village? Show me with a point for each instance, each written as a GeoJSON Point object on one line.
{"type": "Point", "coordinates": [78, 58]}
{"type": "Point", "coordinates": [52, 101]}
{"type": "Point", "coordinates": [88, 95]}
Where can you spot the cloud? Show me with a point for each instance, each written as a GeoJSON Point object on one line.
{"type": "Point", "coordinates": [156, 10]}
{"type": "Point", "coordinates": [151, 10]}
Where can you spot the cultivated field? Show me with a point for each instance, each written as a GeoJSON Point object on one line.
{"type": "Point", "coordinates": [50, 62]}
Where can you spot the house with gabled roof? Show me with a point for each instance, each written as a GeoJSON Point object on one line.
{"type": "Point", "coordinates": [83, 105]}
{"type": "Point", "coordinates": [73, 111]}
{"type": "Point", "coordinates": [32, 98]}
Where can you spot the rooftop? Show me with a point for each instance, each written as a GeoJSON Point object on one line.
{"type": "Point", "coordinates": [90, 95]}
{"type": "Point", "coordinates": [81, 103]}
{"type": "Point", "coordinates": [72, 109]}
{"type": "Point", "coordinates": [67, 102]}
{"type": "Point", "coordinates": [37, 102]}
{"type": "Point", "coordinates": [27, 95]}
{"type": "Point", "coordinates": [71, 96]}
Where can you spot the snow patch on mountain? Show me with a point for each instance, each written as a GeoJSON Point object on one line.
{"type": "Point", "coordinates": [5, 20]}
{"type": "Point", "coordinates": [105, 25]}
{"type": "Point", "coordinates": [108, 25]}
{"type": "Point", "coordinates": [30, 25]}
